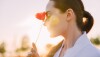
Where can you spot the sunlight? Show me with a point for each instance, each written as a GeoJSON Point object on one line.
{"type": "Point", "coordinates": [43, 38]}
{"type": "Point", "coordinates": [17, 19]}
{"type": "Point", "coordinates": [84, 20]}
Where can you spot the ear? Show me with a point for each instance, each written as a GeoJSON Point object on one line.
{"type": "Point", "coordinates": [69, 14]}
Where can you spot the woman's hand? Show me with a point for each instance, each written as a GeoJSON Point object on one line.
{"type": "Point", "coordinates": [33, 52]}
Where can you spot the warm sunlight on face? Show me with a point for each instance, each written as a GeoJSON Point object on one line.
{"type": "Point", "coordinates": [44, 37]}
{"type": "Point", "coordinates": [54, 21]}
{"type": "Point", "coordinates": [44, 33]}
{"type": "Point", "coordinates": [17, 18]}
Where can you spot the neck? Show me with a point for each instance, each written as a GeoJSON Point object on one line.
{"type": "Point", "coordinates": [71, 37]}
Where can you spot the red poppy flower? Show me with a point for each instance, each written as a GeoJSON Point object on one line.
{"type": "Point", "coordinates": [41, 16]}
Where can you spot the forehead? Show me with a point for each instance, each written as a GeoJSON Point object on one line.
{"type": "Point", "coordinates": [50, 6]}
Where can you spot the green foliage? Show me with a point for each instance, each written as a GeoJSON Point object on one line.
{"type": "Point", "coordinates": [24, 44]}
{"type": "Point", "coordinates": [21, 49]}
{"type": "Point", "coordinates": [2, 48]}
{"type": "Point", "coordinates": [96, 40]}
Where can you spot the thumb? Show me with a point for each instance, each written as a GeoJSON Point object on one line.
{"type": "Point", "coordinates": [34, 47]}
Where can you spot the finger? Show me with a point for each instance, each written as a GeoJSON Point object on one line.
{"type": "Point", "coordinates": [33, 50]}
{"type": "Point", "coordinates": [34, 46]}
{"type": "Point", "coordinates": [35, 54]}
{"type": "Point", "coordinates": [32, 54]}
{"type": "Point", "coordinates": [29, 54]}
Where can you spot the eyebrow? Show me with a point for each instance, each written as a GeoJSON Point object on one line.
{"type": "Point", "coordinates": [48, 12]}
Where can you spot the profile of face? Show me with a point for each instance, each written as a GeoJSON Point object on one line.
{"type": "Point", "coordinates": [56, 22]}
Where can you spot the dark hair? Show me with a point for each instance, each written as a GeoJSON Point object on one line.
{"type": "Point", "coordinates": [78, 8]}
{"type": "Point", "coordinates": [80, 13]}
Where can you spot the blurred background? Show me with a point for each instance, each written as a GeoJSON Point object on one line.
{"type": "Point", "coordinates": [19, 27]}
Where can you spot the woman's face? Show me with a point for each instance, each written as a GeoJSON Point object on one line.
{"type": "Point", "coordinates": [56, 21]}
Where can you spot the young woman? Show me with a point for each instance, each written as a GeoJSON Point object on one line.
{"type": "Point", "coordinates": [69, 19]}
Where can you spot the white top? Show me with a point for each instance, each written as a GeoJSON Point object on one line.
{"type": "Point", "coordinates": [82, 48]}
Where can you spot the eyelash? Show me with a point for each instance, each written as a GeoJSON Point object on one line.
{"type": "Point", "coordinates": [48, 15]}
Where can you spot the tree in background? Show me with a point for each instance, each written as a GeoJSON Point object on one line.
{"type": "Point", "coordinates": [2, 49]}
{"type": "Point", "coordinates": [24, 45]}
{"type": "Point", "coordinates": [96, 40]}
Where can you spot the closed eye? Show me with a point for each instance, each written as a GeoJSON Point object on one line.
{"type": "Point", "coordinates": [48, 14]}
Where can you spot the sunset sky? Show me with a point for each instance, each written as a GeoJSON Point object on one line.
{"type": "Point", "coordinates": [17, 18]}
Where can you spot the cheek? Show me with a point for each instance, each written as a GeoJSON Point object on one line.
{"type": "Point", "coordinates": [54, 21]}
{"type": "Point", "coordinates": [56, 25]}
{"type": "Point", "coordinates": [62, 26]}
{"type": "Point", "coordinates": [53, 24]}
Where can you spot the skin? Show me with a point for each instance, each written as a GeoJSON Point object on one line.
{"type": "Point", "coordinates": [33, 51]}
{"type": "Point", "coordinates": [65, 26]}
{"type": "Point", "coordinates": [54, 21]}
